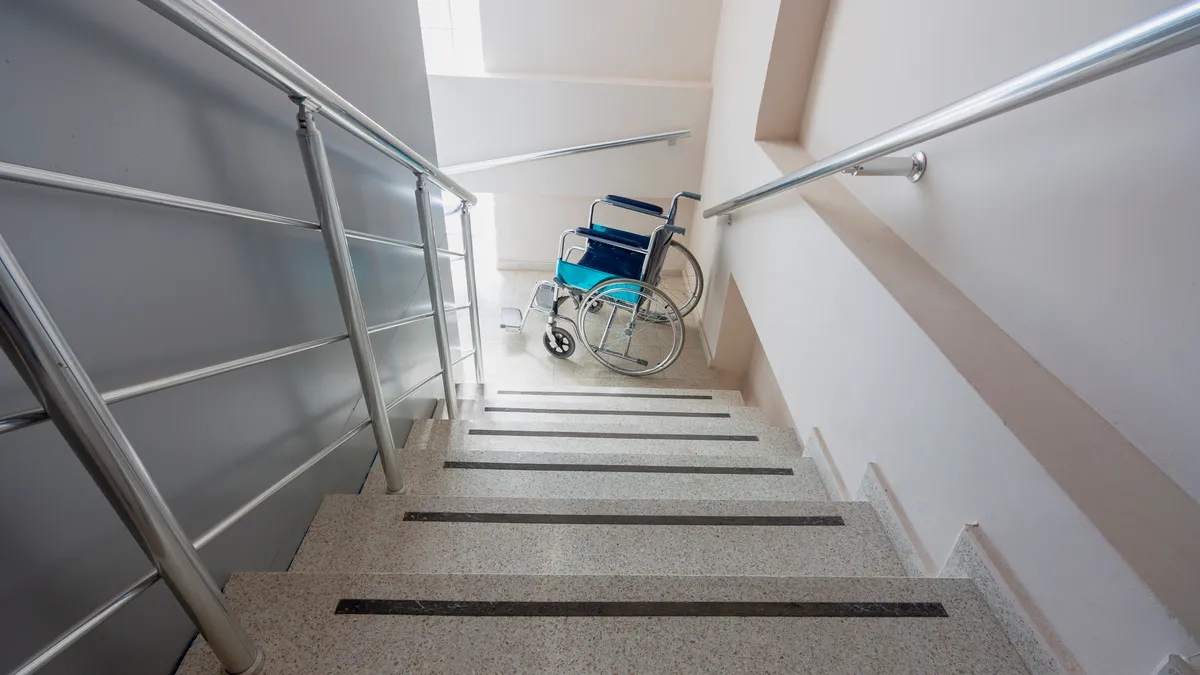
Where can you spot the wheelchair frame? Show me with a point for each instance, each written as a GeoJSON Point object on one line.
{"type": "Point", "coordinates": [547, 294]}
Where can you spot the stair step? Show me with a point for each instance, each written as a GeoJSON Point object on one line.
{"type": "Point", "coordinates": [682, 416]}
{"type": "Point", "coordinates": [650, 436]}
{"type": "Point", "coordinates": [557, 624]}
{"type": "Point", "coordinates": [358, 533]}
{"type": "Point", "coordinates": [595, 394]}
{"type": "Point", "coordinates": [565, 475]}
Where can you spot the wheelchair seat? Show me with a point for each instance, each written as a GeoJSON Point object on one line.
{"type": "Point", "coordinates": [625, 319]}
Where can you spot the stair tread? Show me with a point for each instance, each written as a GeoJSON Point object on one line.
{"type": "Point", "coordinates": [359, 533]}
{"type": "Point", "coordinates": [641, 437]}
{"type": "Point", "coordinates": [582, 392]}
{"type": "Point", "coordinates": [674, 416]}
{"type": "Point", "coordinates": [292, 617]}
{"type": "Point", "coordinates": [426, 474]}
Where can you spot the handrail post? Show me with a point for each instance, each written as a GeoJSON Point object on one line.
{"type": "Point", "coordinates": [329, 215]}
{"type": "Point", "coordinates": [45, 361]}
{"type": "Point", "coordinates": [472, 289]}
{"type": "Point", "coordinates": [434, 280]}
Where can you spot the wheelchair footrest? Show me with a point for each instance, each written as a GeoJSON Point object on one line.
{"type": "Point", "coordinates": [510, 319]}
{"type": "Point", "coordinates": [544, 297]}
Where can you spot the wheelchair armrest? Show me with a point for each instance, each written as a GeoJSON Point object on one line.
{"type": "Point", "coordinates": [590, 235]}
{"type": "Point", "coordinates": [634, 205]}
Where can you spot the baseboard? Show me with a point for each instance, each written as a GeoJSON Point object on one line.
{"type": "Point", "coordinates": [815, 449]}
{"type": "Point", "coordinates": [1027, 629]}
{"type": "Point", "coordinates": [518, 266]}
{"type": "Point", "coordinates": [874, 490]}
{"type": "Point", "coordinates": [708, 355]}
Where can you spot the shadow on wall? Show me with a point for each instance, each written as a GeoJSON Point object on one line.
{"type": "Point", "coordinates": [742, 364]}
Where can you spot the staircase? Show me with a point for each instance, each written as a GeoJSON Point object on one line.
{"type": "Point", "coordinates": [587, 529]}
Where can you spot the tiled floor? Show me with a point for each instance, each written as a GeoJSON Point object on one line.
{"type": "Point", "coordinates": [520, 358]}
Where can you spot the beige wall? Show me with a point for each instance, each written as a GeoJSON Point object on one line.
{"type": "Point", "coordinates": [878, 349]}
{"type": "Point", "coordinates": [1073, 222]}
{"type": "Point", "coordinates": [643, 39]}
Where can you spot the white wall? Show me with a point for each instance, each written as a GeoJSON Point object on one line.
{"type": "Point", "coordinates": [854, 357]}
{"type": "Point", "coordinates": [1072, 223]}
{"type": "Point", "coordinates": [479, 118]}
{"type": "Point", "coordinates": [533, 223]}
{"type": "Point", "coordinates": [641, 39]}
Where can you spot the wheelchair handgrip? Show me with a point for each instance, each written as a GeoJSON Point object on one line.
{"type": "Point", "coordinates": [690, 195]}
{"type": "Point", "coordinates": [676, 229]}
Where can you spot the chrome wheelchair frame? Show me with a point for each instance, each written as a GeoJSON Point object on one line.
{"type": "Point", "coordinates": [547, 295]}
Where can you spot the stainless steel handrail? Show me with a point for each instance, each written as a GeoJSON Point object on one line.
{"type": "Point", "coordinates": [27, 418]}
{"type": "Point", "coordinates": [212, 24]}
{"type": "Point", "coordinates": [143, 584]}
{"type": "Point", "coordinates": [669, 137]}
{"type": "Point", "coordinates": [64, 181]}
{"type": "Point", "coordinates": [81, 412]}
{"type": "Point", "coordinates": [1158, 36]}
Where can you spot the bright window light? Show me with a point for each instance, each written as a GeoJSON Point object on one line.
{"type": "Point", "coordinates": [452, 35]}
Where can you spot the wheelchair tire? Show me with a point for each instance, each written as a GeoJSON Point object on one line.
{"type": "Point", "coordinates": [641, 333]}
{"type": "Point", "coordinates": [560, 344]}
{"type": "Point", "coordinates": [681, 278]}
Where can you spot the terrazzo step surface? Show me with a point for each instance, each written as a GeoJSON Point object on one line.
{"type": "Point", "coordinates": [681, 417]}
{"type": "Point", "coordinates": [864, 629]}
{"type": "Point", "coordinates": [359, 534]}
{"type": "Point", "coordinates": [597, 394]}
{"type": "Point", "coordinates": [650, 436]}
{"type": "Point", "coordinates": [564, 475]}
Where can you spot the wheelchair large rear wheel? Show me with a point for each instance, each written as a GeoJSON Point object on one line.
{"type": "Point", "coordinates": [681, 278]}
{"type": "Point", "coordinates": [638, 331]}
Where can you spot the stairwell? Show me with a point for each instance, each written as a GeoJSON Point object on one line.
{"type": "Point", "coordinates": [604, 529]}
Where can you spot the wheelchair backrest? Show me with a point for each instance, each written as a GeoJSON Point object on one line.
{"type": "Point", "coordinates": [659, 245]}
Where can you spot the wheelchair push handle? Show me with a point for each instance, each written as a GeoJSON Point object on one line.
{"type": "Point", "coordinates": [670, 225]}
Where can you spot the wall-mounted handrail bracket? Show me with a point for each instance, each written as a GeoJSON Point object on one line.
{"type": "Point", "coordinates": [1158, 36]}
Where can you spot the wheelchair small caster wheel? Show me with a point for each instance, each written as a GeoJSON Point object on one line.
{"type": "Point", "coordinates": [560, 343]}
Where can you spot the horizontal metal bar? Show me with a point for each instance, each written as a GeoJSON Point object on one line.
{"type": "Point", "coordinates": [25, 174]}
{"type": "Point", "coordinates": [106, 611]}
{"type": "Point", "coordinates": [413, 389]}
{"type": "Point", "coordinates": [229, 521]}
{"type": "Point", "coordinates": [86, 625]}
{"type": "Point", "coordinates": [27, 418]}
{"type": "Point", "coordinates": [462, 358]}
{"type": "Point", "coordinates": [1158, 36]}
{"type": "Point", "coordinates": [32, 176]}
{"type": "Point", "coordinates": [377, 239]}
{"type": "Point", "coordinates": [563, 152]}
{"type": "Point", "coordinates": [219, 29]}
{"type": "Point", "coordinates": [32, 416]}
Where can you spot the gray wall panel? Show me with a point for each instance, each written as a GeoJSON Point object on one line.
{"type": "Point", "coordinates": [110, 90]}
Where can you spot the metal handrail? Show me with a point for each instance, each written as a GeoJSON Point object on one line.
{"type": "Point", "coordinates": [669, 137]}
{"type": "Point", "coordinates": [1158, 36]}
{"type": "Point", "coordinates": [27, 418]}
{"type": "Point", "coordinates": [146, 581]}
{"type": "Point", "coordinates": [40, 353]}
{"type": "Point", "coordinates": [211, 23]}
{"type": "Point", "coordinates": [64, 181]}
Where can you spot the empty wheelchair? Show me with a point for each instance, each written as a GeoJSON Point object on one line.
{"type": "Point", "coordinates": [630, 292]}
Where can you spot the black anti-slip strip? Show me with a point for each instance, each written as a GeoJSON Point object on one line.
{"type": "Point", "coordinates": [849, 610]}
{"type": "Point", "coordinates": [620, 519]}
{"type": "Point", "coordinates": [674, 397]}
{"type": "Point", "coordinates": [621, 468]}
{"type": "Point", "coordinates": [622, 413]}
{"type": "Point", "coordinates": [526, 433]}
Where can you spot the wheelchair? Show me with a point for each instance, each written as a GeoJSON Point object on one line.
{"type": "Point", "coordinates": [630, 291]}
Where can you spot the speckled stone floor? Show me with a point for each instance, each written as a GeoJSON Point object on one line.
{"type": "Point", "coordinates": [645, 536]}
